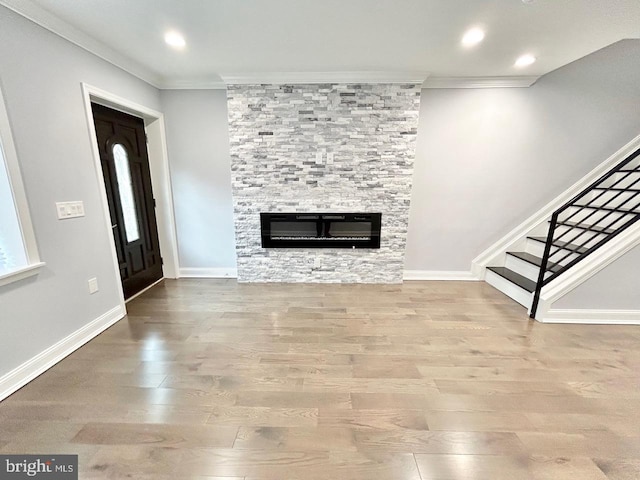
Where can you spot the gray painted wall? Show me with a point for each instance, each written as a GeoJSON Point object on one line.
{"type": "Point", "coordinates": [616, 287]}
{"type": "Point", "coordinates": [40, 77]}
{"type": "Point", "coordinates": [198, 145]}
{"type": "Point", "coordinates": [487, 159]}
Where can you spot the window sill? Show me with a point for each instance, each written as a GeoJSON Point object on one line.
{"type": "Point", "coordinates": [21, 273]}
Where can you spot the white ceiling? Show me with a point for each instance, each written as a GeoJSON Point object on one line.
{"type": "Point", "coordinates": [237, 37]}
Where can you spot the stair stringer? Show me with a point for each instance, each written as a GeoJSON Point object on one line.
{"type": "Point", "coordinates": [584, 270]}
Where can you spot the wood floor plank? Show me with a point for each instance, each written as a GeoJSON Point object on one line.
{"type": "Point", "coordinates": [463, 443]}
{"type": "Point", "coordinates": [46, 410]}
{"type": "Point", "coordinates": [181, 436]}
{"type": "Point", "coordinates": [552, 468]}
{"type": "Point", "coordinates": [296, 438]}
{"type": "Point", "coordinates": [89, 378]}
{"type": "Point", "coordinates": [264, 416]}
{"type": "Point", "coordinates": [580, 423]}
{"type": "Point", "coordinates": [276, 465]}
{"type": "Point", "coordinates": [619, 468]}
{"type": "Point", "coordinates": [502, 387]}
{"type": "Point", "coordinates": [406, 369]}
{"type": "Point", "coordinates": [25, 434]}
{"type": "Point", "coordinates": [370, 385]}
{"type": "Point", "coordinates": [459, 421]}
{"type": "Point", "coordinates": [119, 461]}
{"type": "Point", "coordinates": [232, 383]}
{"type": "Point", "coordinates": [472, 467]}
{"type": "Point", "coordinates": [320, 371]}
{"type": "Point", "coordinates": [293, 399]}
{"type": "Point", "coordinates": [167, 414]}
{"type": "Point", "coordinates": [126, 395]}
{"type": "Point", "coordinates": [505, 467]}
{"type": "Point", "coordinates": [513, 403]}
{"type": "Point", "coordinates": [403, 401]}
{"type": "Point", "coordinates": [382, 419]}
{"type": "Point", "coordinates": [589, 443]}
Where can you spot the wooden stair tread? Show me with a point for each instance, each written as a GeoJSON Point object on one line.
{"type": "Point", "coordinates": [564, 245]}
{"type": "Point", "coordinates": [515, 278]}
{"type": "Point", "coordinates": [535, 260]}
{"type": "Point", "coordinates": [585, 226]}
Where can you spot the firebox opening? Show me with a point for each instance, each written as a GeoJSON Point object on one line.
{"type": "Point", "coordinates": [320, 230]}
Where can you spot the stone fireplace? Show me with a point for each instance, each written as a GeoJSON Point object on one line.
{"type": "Point", "coordinates": [327, 148]}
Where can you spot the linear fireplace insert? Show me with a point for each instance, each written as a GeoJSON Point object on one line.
{"type": "Point", "coordinates": [320, 230]}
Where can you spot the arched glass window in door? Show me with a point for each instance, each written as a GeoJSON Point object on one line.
{"type": "Point", "coordinates": [125, 189]}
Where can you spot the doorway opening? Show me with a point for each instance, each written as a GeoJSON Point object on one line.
{"type": "Point", "coordinates": [124, 159]}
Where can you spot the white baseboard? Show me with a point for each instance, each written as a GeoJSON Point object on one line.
{"type": "Point", "coordinates": [439, 275]}
{"type": "Point", "coordinates": [408, 274]}
{"type": "Point", "coordinates": [208, 273]}
{"type": "Point", "coordinates": [598, 317]}
{"type": "Point", "coordinates": [29, 370]}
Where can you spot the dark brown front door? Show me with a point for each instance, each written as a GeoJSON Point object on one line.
{"type": "Point", "coordinates": [125, 166]}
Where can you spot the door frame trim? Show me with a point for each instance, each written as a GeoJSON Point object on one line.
{"type": "Point", "coordinates": [160, 175]}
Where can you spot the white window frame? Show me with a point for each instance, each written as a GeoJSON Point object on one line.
{"type": "Point", "coordinates": [20, 199]}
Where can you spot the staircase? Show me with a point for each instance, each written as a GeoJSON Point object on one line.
{"type": "Point", "coordinates": [580, 227]}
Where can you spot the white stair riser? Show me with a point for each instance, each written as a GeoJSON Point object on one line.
{"type": "Point", "coordinates": [633, 163]}
{"type": "Point", "coordinates": [591, 217]}
{"type": "Point", "coordinates": [562, 257]}
{"type": "Point", "coordinates": [534, 247]}
{"type": "Point", "coordinates": [525, 269]}
{"type": "Point", "coordinates": [511, 290]}
{"type": "Point", "coordinates": [577, 236]}
{"type": "Point", "coordinates": [623, 180]}
{"type": "Point", "coordinates": [613, 199]}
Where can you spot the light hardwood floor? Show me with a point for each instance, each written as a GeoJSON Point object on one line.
{"type": "Point", "coordinates": [211, 379]}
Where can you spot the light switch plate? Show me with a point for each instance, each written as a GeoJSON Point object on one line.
{"type": "Point", "coordinates": [70, 209]}
{"type": "Point", "coordinates": [93, 285]}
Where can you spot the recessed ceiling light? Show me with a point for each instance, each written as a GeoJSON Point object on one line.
{"type": "Point", "coordinates": [174, 39]}
{"type": "Point", "coordinates": [525, 61]}
{"type": "Point", "coordinates": [472, 37]}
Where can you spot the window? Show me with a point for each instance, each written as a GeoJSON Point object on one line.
{"type": "Point", "coordinates": [18, 253]}
{"type": "Point", "coordinates": [125, 188]}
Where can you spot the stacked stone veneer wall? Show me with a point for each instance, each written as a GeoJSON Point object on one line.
{"type": "Point", "coordinates": [322, 148]}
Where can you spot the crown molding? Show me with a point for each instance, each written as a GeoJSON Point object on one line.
{"type": "Point", "coordinates": [256, 78]}
{"type": "Point", "coordinates": [47, 20]}
{"type": "Point", "coordinates": [481, 82]}
{"type": "Point", "coordinates": [202, 84]}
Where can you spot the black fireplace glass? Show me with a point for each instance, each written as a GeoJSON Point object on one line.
{"type": "Point", "coordinates": [320, 230]}
{"type": "Point", "coordinates": [303, 229]}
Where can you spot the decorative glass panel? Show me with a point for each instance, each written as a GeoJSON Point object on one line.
{"type": "Point", "coordinates": [125, 189]}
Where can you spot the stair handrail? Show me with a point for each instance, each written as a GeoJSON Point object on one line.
{"type": "Point", "coordinates": [610, 233]}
